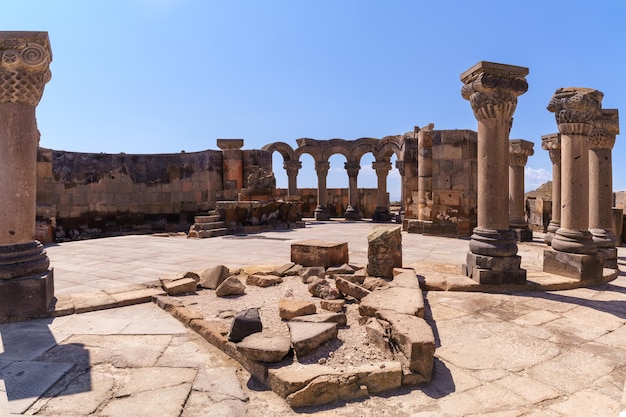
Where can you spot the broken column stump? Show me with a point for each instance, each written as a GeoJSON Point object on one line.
{"type": "Point", "coordinates": [319, 253]}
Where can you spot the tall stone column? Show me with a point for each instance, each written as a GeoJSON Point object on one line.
{"type": "Point", "coordinates": [321, 211]}
{"type": "Point", "coordinates": [401, 166]}
{"type": "Point", "coordinates": [519, 151]}
{"type": "Point", "coordinates": [601, 185]}
{"type": "Point", "coordinates": [292, 168]}
{"type": "Point", "coordinates": [552, 144]}
{"type": "Point", "coordinates": [232, 167]}
{"type": "Point", "coordinates": [425, 174]}
{"type": "Point", "coordinates": [352, 211]}
{"type": "Point", "coordinates": [26, 283]}
{"type": "Point", "coordinates": [382, 214]}
{"type": "Point", "coordinates": [574, 253]}
{"type": "Point", "coordinates": [492, 90]}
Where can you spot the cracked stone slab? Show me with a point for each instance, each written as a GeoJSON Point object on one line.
{"type": "Point", "coordinates": [162, 402]}
{"type": "Point", "coordinates": [401, 300]}
{"type": "Point", "coordinates": [306, 337]}
{"type": "Point", "coordinates": [220, 383]}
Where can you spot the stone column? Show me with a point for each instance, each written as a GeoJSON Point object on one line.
{"type": "Point", "coordinates": [382, 214]}
{"type": "Point", "coordinates": [601, 185]}
{"type": "Point", "coordinates": [292, 168]}
{"type": "Point", "coordinates": [26, 283]}
{"type": "Point", "coordinates": [492, 90]}
{"type": "Point", "coordinates": [232, 167]}
{"type": "Point", "coordinates": [552, 144]}
{"type": "Point", "coordinates": [352, 211]}
{"type": "Point", "coordinates": [519, 151]}
{"type": "Point", "coordinates": [401, 166]}
{"type": "Point", "coordinates": [574, 253]}
{"type": "Point", "coordinates": [321, 211]}
{"type": "Point", "coordinates": [425, 174]}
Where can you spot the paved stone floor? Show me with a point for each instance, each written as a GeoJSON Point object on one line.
{"type": "Point", "coordinates": [559, 353]}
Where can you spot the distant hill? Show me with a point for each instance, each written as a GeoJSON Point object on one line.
{"type": "Point", "coordinates": [544, 191]}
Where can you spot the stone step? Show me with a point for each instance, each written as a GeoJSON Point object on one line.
{"type": "Point", "coordinates": [212, 232]}
{"type": "Point", "coordinates": [210, 218]}
{"type": "Point", "coordinates": [208, 226]}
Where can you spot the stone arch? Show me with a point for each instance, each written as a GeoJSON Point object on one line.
{"type": "Point", "coordinates": [288, 153]}
{"type": "Point", "coordinates": [390, 145]}
{"type": "Point", "coordinates": [309, 146]}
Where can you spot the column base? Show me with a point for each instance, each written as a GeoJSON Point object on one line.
{"type": "Point", "coordinates": [610, 257]}
{"type": "Point", "coordinates": [381, 215]}
{"type": "Point", "coordinates": [552, 228]}
{"type": "Point", "coordinates": [573, 265]}
{"type": "Point", "coordinates": [523, 234]}
{"type": "Point", "coordinates": [27, 297]}
{"type": "Point", "coordinates": [494, 269]}
{"type": "Point", "coordinates": [322, 213]}
{"type": "Point", "coordinates": [352, 214]}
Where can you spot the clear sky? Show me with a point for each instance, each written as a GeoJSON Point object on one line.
{"type": "Point", "coordinates": [161, 76]}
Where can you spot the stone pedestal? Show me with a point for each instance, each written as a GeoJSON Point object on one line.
{"type": "Point", "coordinates": [552, 144]}
{"type": "Point", "coordinates": [26, 282]}
{"type": "Point", "coordinates": [573, 265]}
{"type": "Point", "coordinates": [519, 151]}
{"type": "Point", "coordinates": [492, 90]}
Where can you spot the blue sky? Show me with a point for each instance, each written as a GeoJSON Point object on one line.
{"type": "Point", "coordinates": [161, 76]}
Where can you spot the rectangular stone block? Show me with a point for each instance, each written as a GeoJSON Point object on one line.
{"type": "Point", "coordinates": [494, 269]}
{"type": "Point", "coordinates": [27, 298]}
{"type": "Point", "coordinates": [573, 265]}
{"type": "Point", "coordinates": [319, 253]}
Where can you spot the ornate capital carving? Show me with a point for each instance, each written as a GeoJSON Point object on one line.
{"type": "Point", "coordinates": [24, 66]}
{"type": "Point", "coordinates": [575, 109]}
{"type": "Point", "coordinates": [492, 89]}
{"type": "Point", "coordinates": [322, 167]}
{"type": "Point", "coordinates": [519, 151]}
{"type": "Point", "coordinates": [352, 167]}
{"type": "Point", "coordinates": [381, 167]}
{"type": "Point", "coordinates": [552, 144]}
{"type": "Point", "coordinates": [292, 167]}
{"type": "Point", "coordinates": [604, 130]}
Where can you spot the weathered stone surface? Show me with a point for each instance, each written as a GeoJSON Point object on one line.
{"type": "Point", "coordinates": [377, 334]}
{"type": "Point", "coordinates": [311, 272]}
{"type": "Point", "coordinates": [384, 251]}
{"type": "Point", "coordinates": [180, 286]}
{"type": "Point", "coordinates": [354, 278]}
{"type": "Point", "coordinates": [211, 278]}
{"type": "Point", "coordinates": [306, 337]}
{"type": "Point", "coordinates": [353, 290]}
{"type": "Point", "coordinates": [573, 265]}
{"type": "Point", "coordinates": [319, 253]}
{"type": "Point", "coordinates": [326, 389]}
{"type": "Point", "coordinates": [334, 306]}
{"type": "Point", "coordinates": [264, 347]}
{"type": "Point", "coordinates": [403, 277]}
{"type": "Point", "coordinates": [401, 300]}
{"type": "Point", "coordinates": [296, 271]}
{"type": "Point", "coordinates": [263, 280]}
{"type": "Point", "coordinates": [288, 308]}
{"type": "Point", "coordinates": [415, 339]}
{"type": "Point", "coordinates": [230, 286]}
{"type": "Point", "coordinates": [373, 283]}
{"type": "Point", "coordinates": [341, 269]}
{"type": "Point", "coordinates": [245, 323]}
{"type": "Point", "coordinates": [281, 271]}
{"type": "Point", "coordinates": [339, 318]}
{"type": "Point", "coordinates": [317, 286]}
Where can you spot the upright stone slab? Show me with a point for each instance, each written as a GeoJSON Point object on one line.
{"type": "Point", "coordinates": [384, 251]}
{"type": "Point", "coordinates": [492, 90]}
{"type": "Point", "coordinates": [26, 282]}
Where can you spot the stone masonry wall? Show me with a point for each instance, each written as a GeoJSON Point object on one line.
{"type": "Point", "coordinates": [337, 201]}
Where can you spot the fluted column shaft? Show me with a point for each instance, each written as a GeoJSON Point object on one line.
{"type": "Point", "coordinates": [552, 143]}
{"type": "Point", "coordinates": [292, 168]}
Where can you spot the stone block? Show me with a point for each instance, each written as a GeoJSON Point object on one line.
{"type": "Point", "coordinates": [319, 253]}
{"type": "Point", "coordinates": [338, 318]}
{"type": "Point", "coordinates": [27, 298]}
{"type": "Point", "coordinates": [211, 278]}
{"type": "Point", "coordinates": [230, 286]}
{"type": "Point", "coordinates": [288, 308]}
{"type": "Point", "coordinates": [264, 347]}
{"type": "Point", "coordinates": [263, 280]}
{"type": "Point", "coordinates": [310, 272]}
{"type": "Point", "coordinates": [334, 306]}
{"type": "Point", "coordinates": [610, 257]}
{"type": "Point", "coordinates": [573, 265]}
{"type": "Point", "coordinates": [494, 269]}
{"type": "Point", "coordinates": [180, 286]}
{"type": "Point", "coordinates": [306, 337]}
{"type": "Point", "coordinates": [523, 235]}
{"type": "Point", "coordinates": [245, 323]}
{"type": "Point", "coordinates": [384, 251]}
{"type": "Point", "coordinates": [353, 290]}
{"type": "Point", "coordinates": [409, 301]}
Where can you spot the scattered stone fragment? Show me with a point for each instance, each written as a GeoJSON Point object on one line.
{"type": "Point", "coordinates": [330, 293]}
{"type": "Point", "coordinates": [211, 278]}
{"type": "Point", "coordinates": [406, 278]}
{"type": "Point", "coordinates": [377, 334]}
{"type": "Point", "coordinates": [230, 286]}
{"type": "Point", "coordinates": [288, 308]}
{"type": "Point", "coordinates": [263, 280]}
{"type": "Point", "coordinates": [306, 337]}
{"type": "Point", "coordinates": [339, 318]}
{"type": "Point", "coordinates": [408, 301]}
{"type": "Point", "coordinates": [384, 251]}
{"type": "Point", "coordinates": [180, 286]}
{"type": "Point", "coordinates": [328, 388]}
{"type": "Point", "coordinates": [351, 289]}
{"type": "Point", "coordinates": [191, 274]}
{"type": "Point", "coordinates": [322, 289]}
{"type": "Point", "coordinates": [296, 271]}
{"type": "Point", "coordinates": [334, 306]}
{"type": "Point", "coordinates": [282, 270]}
{"type": "Point", "coordinates": [355, 279]}
{"type": "Point", "coordinates": [245, 323]}
{"type": "Point", "coordinates": [311, 272]}
{"type": "Point", "coordinates": [342, 269]}
{"type": "Point", "coordinates": [373, 283]}
{"type": "Point", "coordinates": [265, 347]}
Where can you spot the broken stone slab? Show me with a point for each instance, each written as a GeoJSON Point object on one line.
{"type": "Point", "coordinates": [319, 253]}
{"type": "Point", "coordinates": [230, 286]}
{"type": "Point", "coordinates": [404, 277]}
{"type": "Point", "coordinates": [344, 269]}
{"type": "Point", "coordinates": [322, 289]}
{"type": "Point", "coordinates": [353, 278]}
{"type": "Point", "coordinates": [408, 301]}
{"type": "Point", "coordinates": [415, 339]}
{"type": "Point", "coordinates": [307, 337]}
{"type": "Point", "coordinates": [373, 283]}
{"type": "Point", "coordinates": [311, 272]}
{"type": "Point", "coordinates": [211, 278]}
{"type": "Point", "coordinates": [334, 306]}
{"type": "Point", "coordinates": [263, 280]}
{"type": "Point", "coordinates": [296, 271]}
{"type": "Point", "coordinates": [338, 318]}
{"type": "Point", "coordinates": [288, 308]}
{"type": "Point", "coordinates": [378, 334]}
{"type": "Point", "coordinates": [281, 271]}
{"type": "Point", "coordinates": [264, 347]}
{"type": "Point", "coordinates": [353, 290]}
{"type": "Point", "coordinates": [384, 251]}
{"type": "Point", "coordinates": [245, 323]}
{"type": "Point", "coordinates": [180, 286]}
{"type": "Point", "coordinates": [221, 383]}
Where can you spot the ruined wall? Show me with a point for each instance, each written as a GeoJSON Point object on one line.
{"type": "Point", "coordinates": [120, 192]}
{"type": "Point", "coordinates": [337, 201]}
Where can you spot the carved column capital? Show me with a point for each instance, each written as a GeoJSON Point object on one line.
{"type": "Point", "coordinates": [400, 164]}
{"type": "Point", "coordinates": [292, 167]}
{"type": "Point", "coordinates": [352, 168]}
{"type": "Point", "coordinates": [492, 89]}
{"type": "Point", "coordinates": [322, 167]}
{"type": "Point", "coordinates": [604, 130]}
{"type": "Point", "coordinates": [552, 144]}
{"type": "Point", "coordinates": [519, 151]}
{"type": "Point", "coordinates": [24, 66]}
{"type": "Point", "coordinates": [575, 109]}
{"type": "Point", "coordinates": [381, 167]}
